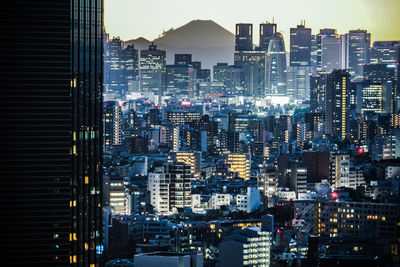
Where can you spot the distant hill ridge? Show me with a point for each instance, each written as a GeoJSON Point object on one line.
{"type": "Point", "coordinates": [206, 40]}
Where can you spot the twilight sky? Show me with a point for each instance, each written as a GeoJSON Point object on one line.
{"type": "Point", "coordinates": [131, 19]}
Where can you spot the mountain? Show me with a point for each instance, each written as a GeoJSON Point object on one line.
{"type": "Point", "coordinates": [207, 41]}
{"type": "Point", "coordinates": [140, 43]}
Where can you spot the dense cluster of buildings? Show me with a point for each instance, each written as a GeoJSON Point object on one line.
{"type": "Point", "coordinates": [283, 158]}
{"type": "Point", "coordinates": [193, 163]}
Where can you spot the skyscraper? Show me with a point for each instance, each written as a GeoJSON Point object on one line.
{"type": "Point", "coordinates": [51, 69]}
{"type": "Point", "coordinates": [113, 73]}
{"type": "Point", "coordinates": [253, 66]}
{"type": "Point", "coordinates": [358, 43]}
{"type": "Point", "coordinates": [337, 103]}
{"type": "Point", "coordinates": [330, 50]}
{"type": "Point", "coordinates": [244, 37]}
{"type": "Point", "coordinates": [267, 30]}
{"type": "Point", "coordinates": [318, 93]}
{"type": "Point", "coordinates": [276, 66]}
{"type": "Point", "coordinates": [300, 46]}
{"type": "Point", "coordinates": [385, 52]}
{"type": "Point", "coordinates": [152, 70]}
{"type": "Point", "coordinates": [181, 77]}
{"type": "Point", "coordinates": [130, 62]}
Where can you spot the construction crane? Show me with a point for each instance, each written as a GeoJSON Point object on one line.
{"type": "Point", "coordinates": [299, 227]}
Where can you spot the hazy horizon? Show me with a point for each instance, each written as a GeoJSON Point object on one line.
{"type": "Point", "coordinates": [148, 19]}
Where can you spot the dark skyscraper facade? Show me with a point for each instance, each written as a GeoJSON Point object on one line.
{"type": "Point", "coordinates": [267, 30]}
{"type": "Point", "coordinates": [51, 132]}
{"type": "Point", "coordinates": [244, 37]}
{"type": "Point", "coordinates": [318, 93]}
{"type": "Point", "coordinates": [300, 46]}
{"type": "Point", "coordinates": [152, 70]}
{"type": "Point", "coordinates": [337, 103]}
{"type": "Point", "coordinates": [358, 44]}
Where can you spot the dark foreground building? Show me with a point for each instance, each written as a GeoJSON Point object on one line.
{"type": "Point", "coordinates": [51, 132]}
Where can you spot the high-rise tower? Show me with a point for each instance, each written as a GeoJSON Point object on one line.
{"type": "Point", "coordinates": [51, 83]}
{"type": "Point", "coordinates": [244, 37]}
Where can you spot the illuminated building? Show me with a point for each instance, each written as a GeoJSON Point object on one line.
{"type": "Point", "coordinates": [283, 127]}
{"type": "Point", "coordinates": [181, 77]}
{"type": "Point", "coordinates": [267, 31]}
{"type": "Point", "coordinates": [112, 124]}
{"type": "Point", "coordinates": [385, 52]}
{"type": "Point", "coordinates": [276, 66]}
{"type": "Point", "coordinates": [318, 93]}
{"type": "Point", "coordinates": [121, 69]}
{"type": "Point", "coordinates": [130, 63]}
{"type": "Point", "coordinates": [298, 82]}
{"type": "Point", "coordinates": [158, 185]}
{"type": "Point", "coordinates": [315, 124]}
{"type": "Point", "coordinates": [152, 70]}
{"type": "Point", "coordinates": [181, 117]}
{"type": "Point", "coordinates": [374, 98]}
{"type": "Point", "coordinates": [339, 219]}
{"type": "Point", "coordinates": [192, 159]}
{"type": "Point", "coordinates": [247, 247]}
{"type": "Point", "coordinates": [337, 103]}
{"type": "Point", "coordinates": [175, 139]}
{"type": "Point", "coordinates": [209, 127]}
{"type": "Point", "coordinates": [358, 43]}
{"type": "Point", "coordinates": [244, 37]}
{"type": "Point", "coordinates": [239, 122]}
{"type": "Point", "coordinates": [391, 148]}
{"type": "Point", "coordinates": [113, 76]}
{"type": "Point", "coordinates": [253, 65]}
{"type": "Point", "coordinates": [240, 164]}
{"type": "Point", "coordinates": [339, 170]}
{"type": "Point", "coordinates": [298, 178]}
{"type": "Point", "coordinates": [267, 183]}
{"type": "Point", "coordinates": [180, 186]}
{"type": "Point", "coordinates": [120, 199]}
{"type": "Point", "coordinates": [329, 50]}
{"type": "Point", "coordinates": [52, 132]}
{"type": "Point", "coordinates": [229, 76]}
{"type": "Point", "coordinates": [300, 46]}
{"type": "Point", "coordinates": [388, 76]}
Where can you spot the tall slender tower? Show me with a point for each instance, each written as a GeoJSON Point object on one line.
{"type": "Point", "coordinates": [276, 66]}
{"type": "Point", "coordinates": [338, 103]}
{"type": "Point", "coordinates": [51, 76]}
{"type": "Point", "coordinates": [358, 43]}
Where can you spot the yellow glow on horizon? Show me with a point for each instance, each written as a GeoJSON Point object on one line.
{"type": "Point", "coordinates": [132, 19]}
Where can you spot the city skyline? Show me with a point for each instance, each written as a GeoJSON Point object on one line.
{"type": "Point", "coordinates": [206, 147]}
{"type": "Point", "coordinates": [376, 17]}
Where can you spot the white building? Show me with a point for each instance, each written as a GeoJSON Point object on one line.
{"type": "Point", "coordinates": [286, 194]}
{"type": "Point", "coordinates": [249, 201]}
{"type": "Point", "coordinates": [158, 185]}
{"type": "Point", "coordinates": [356, 178]}
{"type": "Point", "coordinates": [217, 200]}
